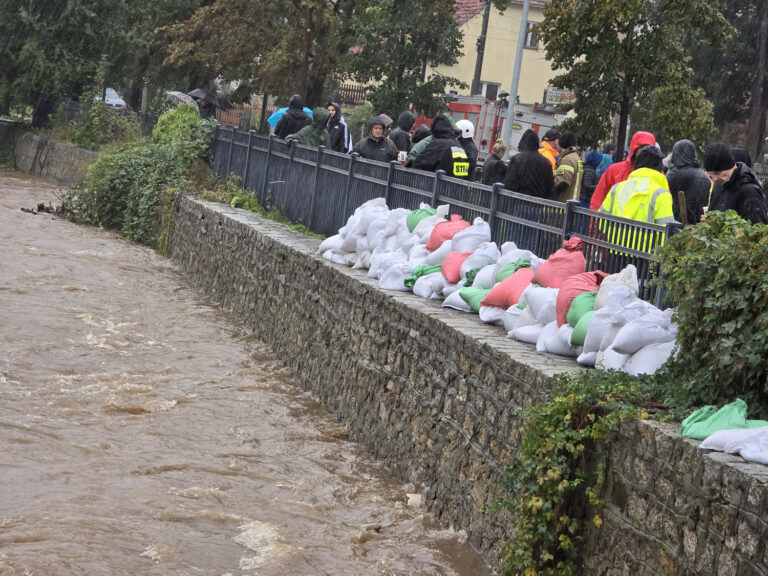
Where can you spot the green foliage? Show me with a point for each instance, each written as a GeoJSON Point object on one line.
{"type": "Point", "coordinates": [98, 126]}
{"type": "Point", "coordinates": [397, 41]}
{"type": "Point", "coordinates": [556, 476]}
{"type": "Point", "coordinates": [717, 273]}
{"type": "Point", "coordinates": [132, 188]}
{"type": "Point", "coordinates": [247, 201]}
{"type": "Point", "coordinates": [358, 120]}
{"type": "Point", "coordinates": [177, 125]}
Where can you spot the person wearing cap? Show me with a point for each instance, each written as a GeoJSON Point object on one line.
{"type": "Point", "coordinates": [377, 146]}
{"type": "Point", "coordinates": [568, 170]}
{"type": "Point", "coordinates": [686, 175]}
{"type": "Point", "coordinates": [620, 171]}
{"type": "Point", "coordinates": [550, 146]}
{"type": "Point", "coordinates": [735, 185]}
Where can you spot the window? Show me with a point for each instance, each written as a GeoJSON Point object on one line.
{"type": "Point", "coordinates": [490, 90]}
{"type": "Point", "coordinates": [532, 35]}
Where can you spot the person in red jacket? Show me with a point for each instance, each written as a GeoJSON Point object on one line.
{"type": "Point", "coordinates": [619, 171]}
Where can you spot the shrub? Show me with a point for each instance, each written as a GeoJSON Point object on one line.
{"type": "Point", "coordinates": [97, 125]}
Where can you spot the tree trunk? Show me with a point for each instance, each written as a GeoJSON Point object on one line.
{"type": "Point", "coordinates": [480, 51]}
{"type": "Point", "coordinates": [623, 117]}
{"type": "Point", "coordinates": [756, 126]}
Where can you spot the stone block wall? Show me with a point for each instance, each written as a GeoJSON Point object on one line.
{"type": "Point", "coordinates": [63, 163]}
{"type": "Point", "coordinates": [436, 394]}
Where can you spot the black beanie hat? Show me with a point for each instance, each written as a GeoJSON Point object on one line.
{"type": "Point", "coordinates": [567, 140]}
{"type": "Point", "coordinates": [718, 157]}
{"type": "Point", "coordinates": [551, 135]}
{"type": "Point", "coordinates": [650, 157]}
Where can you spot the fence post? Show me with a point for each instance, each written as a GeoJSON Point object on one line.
{"type": "Point", "coordinates": [436, 187]}
{"type": "Point", "coordinates": [348, 188]}
{"type": "Point", "coordinates": [263, 191]}
{"type": "Point", "coordinates": [569, 216]}
{"type": "Point", "coordinates": [671, 229]}
{"type": "Point", "coordinates": [494, 205]}
{"type": "Point", "coordinates": [320, 151]}
{"type": "Point", "coordinates": [231, 147]}
{"type": "Point", "coordinates": [247, 160]}
{"type": "Point", "coordinates": [390, 178]}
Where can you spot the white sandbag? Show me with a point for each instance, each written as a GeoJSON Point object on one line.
{"type": "Point", "coordinates": [393, 277]}
{"type": "Point", "coordinates": [350, 240]}
{"type": "Point", "coordinates": [408, 242]}
{"type": "Point", "coordinates": [375, 227]}
{"type": "Point", "coordinates": [485, 254]}
{"type": "Point", "coordinates": [649, 359]}
{"type": "Point", "coordinates": [375, 240]}
{"type": "Point", "coordinates": [331, 243]}
{"type": "Point", "coordinates": [537, 297]}
{"type": "Point", "coordinates": [430, 286]}
{"type": "Point", "coordinates": [627, 277]}
{"type": "Point", "coordinates": [436, 258]}
{"type": "Point", "coordinates": [451, 288]}
{"type": "Point", "coordinates": [547, 313]}
{"type": "Point", "coordinates": [455, 301]}
{"type": "Point", "coordinates": [362, 245]}
{"type": "Point", "coordinates": [599, 325]}
{"type": "Point", "coordinates": [512, 256]}
{"type": "Point", "coordinates": [371, 215]}
{"type": "Point", "coordinates": [524, 296]}
{"type": "Point", "coordinates": [424, 228]}
{"type": "Point", "coordinates": [511, 315]}
{"type": "Point", "coordinates": [565, 332]}
{"type": "Point", "coordinates": [507, 246]}
{"type": "Point", "coordinates": [549, 341]}
{"type": "Point", "coordinates": [381, 260]}
{"type": "Point", "coordinates": [526, 318]}
{"type": "Point", "coordinates": [350, 259]}
{"type": "Point", "coordinates": [363, 261]}
{"type": "Point", "coordinates": [610, 334]}
{"type": "Point", "coordinates": [486, 278]}
{"type": "Point", "coordinates": [609, 359]}
{"type": "Point", "coordinates": [334, 257]}
{"type": "Point", "coordinates": [587, 358]}
{"type": "Point", "coordinates": [529, 334]}
{"type": "Point", "coordinates": [418, 251]}
{"type": "Point", "coordinates": [395, 221]}
{"type": "Point", "coordinates": [469, 239]}
{"type": "Point", "coordinates": [492, 315]}
{"type": "Point", "coordinates": [643, 331]}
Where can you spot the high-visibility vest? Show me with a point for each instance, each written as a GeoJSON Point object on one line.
{"type": "Point", "coordinates": [460, 162]}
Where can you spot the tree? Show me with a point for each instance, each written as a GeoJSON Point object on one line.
{"type": "Point", "coordinates": [616, 53]}
{"type": "Point", "coordinates": [396, 44]}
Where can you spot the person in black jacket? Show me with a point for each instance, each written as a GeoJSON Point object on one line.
{"type": "Point", "coordinates": [401, 135]}
{"type": "Point", "coordinates": [444, 152]}
{"type": "Point", "coordinates": [338, 131]}
{"type": "Point", "coordinates": [494, 168]}
{"type": "Point", "coordinates": [529, 172]}
{"type": "Point", "coordinates": [422, 132]}
{"type": "Point", "coordinates": [686, 175]}
{"type": "Point", "coordinates": [467, 140]}
{"type": "Point", "coordinates": [293, 119]}
{"type": "Point", "coordinates": [736, 186]}
{"type": "Point", "coordinates": [589, 178]}
{"type": "Point", "coordinates": [377, 146]}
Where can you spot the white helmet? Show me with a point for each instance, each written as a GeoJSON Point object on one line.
{"type": "Point", "coordinates": [467, 128]}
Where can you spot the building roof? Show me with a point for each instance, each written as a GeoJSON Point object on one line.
{"type": "Point", "coordinates": [468, 9]}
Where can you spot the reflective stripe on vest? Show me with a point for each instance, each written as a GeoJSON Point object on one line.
{"type": "Point", "coordinates": [460, 162]}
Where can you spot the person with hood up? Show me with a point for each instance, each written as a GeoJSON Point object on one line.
{"type": "Point", "coordinates": [494, 169]}
{"type": "Point", "coordinates": [620, 171]}
{"type": "Point", "coordinates": [421, 133]}
{"type": "Point", "coordinates": [686, 175]}
{"type": "Point", "coordinates": [376, 146]}
{"type": "Point", "coordinates": [341, 139]}
{"type": "Point", "coordinates": [569, 169]}
{"type": "Point", "coordinates": [529, 172]}
{"type": "Point", "coordinates": [315, 134]}
{"type": "Point", "coordinates": [293, 119]}
{"type": "Point", "coordinates": [589, 179]}
{"type": "Point", "coordinates": [401, 135]}
{"type": "Point", "coordinates": [467, 140]}
{"type": "Point", "coordinates": [421, 139]}
{"type": "Point", "coordinates": [607, 159]}
{"type": "Point", "coordinates": [550, 146]}
{"type": "Point", "coordinates": [735, 185]}
{"type": "Point", "coordinates": [444, 151]}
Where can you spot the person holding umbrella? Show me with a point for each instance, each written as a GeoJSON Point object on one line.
{"type": "Point", "coordinates": [294, 119]}
{"type": "Point", "coordinates": [208, 102]}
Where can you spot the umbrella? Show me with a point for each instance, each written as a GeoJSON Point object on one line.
{"type": "Point", "coordinates": [275, 118]}
{"type": "Point", "coordinates": [211, 98]}
{"type": "Point", "coordinates": [179, 98]}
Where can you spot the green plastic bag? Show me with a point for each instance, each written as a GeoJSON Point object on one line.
{"type": "Point", "coordinates": [472, 274]}
{"type": "Point", "coordinates": [580, 330]}
{"type": "Point", "coordinates": [473, 296]}
{"type": "Point", "coordinates": [709, 419]}
{"type": "Point", "coordinates": [583, 303]}
{"type": "Point", "coordinates": [416, 216]}
{"type": "Point", "coordinates": [418, 272]}
{"type": "Point", "coordinates": [507, 270]}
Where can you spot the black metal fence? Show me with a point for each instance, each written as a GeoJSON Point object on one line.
{"type": "Point", "coordinates": [320, 189]}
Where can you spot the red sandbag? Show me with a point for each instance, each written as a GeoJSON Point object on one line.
{"type": "Point", "coordinates": [445, 231]}
{"type": "Point", "coordinates": [507, 292]}
{"type": "Point", "coordinates": [572, 287]}
{"type": "Point", "coordinates": [452, 266]}
{"type": "Point", "coordinates": [566, 262]}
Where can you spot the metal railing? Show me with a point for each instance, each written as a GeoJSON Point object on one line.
{"type": "Point", "coordinates": [321, 189]}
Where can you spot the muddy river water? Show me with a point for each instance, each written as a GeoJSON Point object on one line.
{"type": "Point", "coordinates": [144, 431]}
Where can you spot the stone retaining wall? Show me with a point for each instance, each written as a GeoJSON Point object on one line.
{"type": "Point", "coordinates": [436, 394]}
{"type": "Point", "coordinates": [63, 163]}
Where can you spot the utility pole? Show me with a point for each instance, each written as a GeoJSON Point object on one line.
{"type": "Point", "coordinates": [507, 132]}
{"type": "Point", "coordinates": [481, 50]}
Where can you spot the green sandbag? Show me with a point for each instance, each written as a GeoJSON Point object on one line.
{"type": "Point", "coordinates": [580, 330]}
{"type": "Point", "coordinates": [523, 304]}
{"type": "Point", "coordinates": [708, 419]}
{"type": "Point", "coordinates": [473, 296]}
{"type": "Point", "coordinates": [472, 274]}
{"type": "Point", "coordinates": [418, 272]}
{"type": "Point", "coordinates": [507, 270]}
{"type": "Point", "coordinates": [583, 303]}
{"type": "Point", "coordinates": [417, 216]}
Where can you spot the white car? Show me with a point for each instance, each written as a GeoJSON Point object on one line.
{"type": "Point", "coordinates": [113, 100]}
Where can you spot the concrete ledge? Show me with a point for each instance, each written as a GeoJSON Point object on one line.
{"type": "Point", "coordinates": [63, 163]}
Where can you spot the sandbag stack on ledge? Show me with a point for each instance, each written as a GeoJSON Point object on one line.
{"type": "Point", "coordinates": [555, 303]}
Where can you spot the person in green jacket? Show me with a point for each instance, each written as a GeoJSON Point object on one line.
{"type": "Point", "coordinates": [316, 133]}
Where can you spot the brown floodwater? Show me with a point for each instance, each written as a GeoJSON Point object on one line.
{"type": "Point", "coordinates": [144, 431]}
